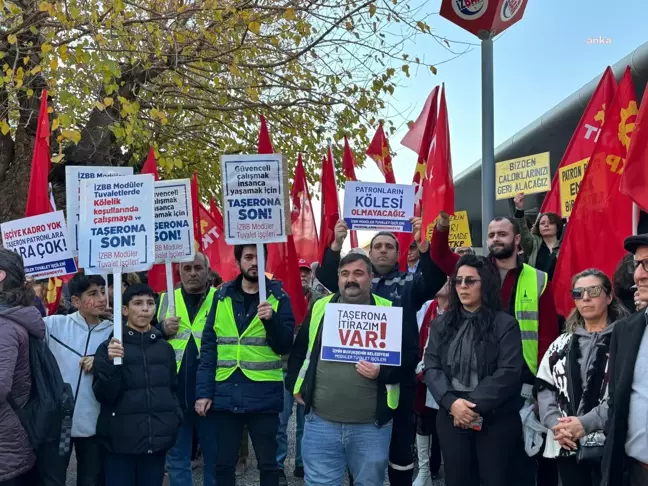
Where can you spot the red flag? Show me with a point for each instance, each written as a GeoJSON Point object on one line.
{"type": "Point", "coordinates": [283, 263]}
{"type": "Point", "coordinates": [379, 151]}
{"type": "Point", "coordinates": [348, 167]}
{"type": "Point", "coordinates": [219, 253]}
{"type": "Point", "coordinates": [53, 297]}
{"type": "Point", "coordinates": [634, 181]}
{"type": "Point", "coordinates": [602, 217]}
{"type": "Point", "coordinates": [438, 187]}
{"type": "Point", "coordinates": [264, 145]}
{"type": "Point", "coordinates": [157, 274]}
{"type": "Point", "coordinates": [584, 138]}
{"type": "Point", "coordinates": [414, 139]}
{"type": "Point", "coordinates": [304, 230]}
{"type": "Point", "coordinates": [330, 208]}
{"type": "Point", "coordinates": [195, 203]}
{"type": "Point", "coordinates": [150, 166]}
{"type": "Point", "coordinates": [38, 201]}
{"type": "Point", "coordinates": [424, 138]}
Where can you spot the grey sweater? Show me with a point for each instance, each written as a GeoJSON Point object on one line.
{"type": "Point", "coordinates": [596, 418]}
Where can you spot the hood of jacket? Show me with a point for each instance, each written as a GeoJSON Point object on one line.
{"type": "Point", "coordinates": [28, 317]}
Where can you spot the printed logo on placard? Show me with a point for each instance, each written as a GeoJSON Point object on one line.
{"type": "Point", "coordinates": [470, 9]}
{"type": "Point", "coordinates": [510, 8]}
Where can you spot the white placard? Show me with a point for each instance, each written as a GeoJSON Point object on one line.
{"type": "Point", "coordinates": [174, 232]}
{"type": "Point", "coordinates": [116, 225]}
{"type": "Point", "coordinates": [255, 199]}
{"type": "Point", "coordinates": [73, 177]}
{"type": "Point", "coordinates": [378, 207]}
{"type": "Point", "coordinates": [352, 333]}
{"type": "Point", "coordinates": [43, 243]}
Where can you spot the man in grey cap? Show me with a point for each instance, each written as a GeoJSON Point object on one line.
{"type": "Point", "coordinates": [625, 459]}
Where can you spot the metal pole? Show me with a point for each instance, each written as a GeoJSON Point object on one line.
{"type": "Point", "coordinates": [488, 139]}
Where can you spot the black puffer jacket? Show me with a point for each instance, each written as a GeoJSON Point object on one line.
{"type": "Point", "coordinates": [140, 412]}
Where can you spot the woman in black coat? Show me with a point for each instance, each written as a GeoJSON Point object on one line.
{"type": "Point", "coordinates": [140, 414]}
{"type": "Point", "coordinates": [473, 365]}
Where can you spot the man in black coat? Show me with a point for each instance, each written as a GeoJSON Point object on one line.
{"type": "Point", "coordinates": [625, 459]}
{"type": "Point", "coordinates": [409, 291]}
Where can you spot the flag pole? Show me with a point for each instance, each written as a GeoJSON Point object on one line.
{"type": "Point", "coordinates": [635, 218]}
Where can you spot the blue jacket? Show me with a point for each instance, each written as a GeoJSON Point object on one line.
{"type": "Point", "coordinates": [238, 393]}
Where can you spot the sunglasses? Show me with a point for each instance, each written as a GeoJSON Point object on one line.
{"type": "Point", "coordinates": [469, 281]}
{"type": "Point", "coordinates": [634, 264]}
{"type": "Point", "coordinates": [594, 291]}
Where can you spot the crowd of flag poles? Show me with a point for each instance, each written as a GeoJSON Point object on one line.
{"type": "Point", "coordinates": [616, 179]}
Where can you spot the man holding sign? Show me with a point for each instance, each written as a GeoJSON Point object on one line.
{"type": "Point", "coordinates": [240, 378]}
{"type": "Point", "coordinates": [350, 405]}
{"type": "Point", "coordinates": [406, 290]}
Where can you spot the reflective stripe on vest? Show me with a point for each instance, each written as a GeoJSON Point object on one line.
{"type": "Point", "coordinates": [317, 315]}
{"type": "Point", "coordinates": [186, 328]}
{"type": "Point", "coordinates": [531, 285]}
{"type": "Point", "coordinates": [250, 351]}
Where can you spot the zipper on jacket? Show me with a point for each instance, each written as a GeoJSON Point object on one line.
{"type": "Point", "coordinates": [85, 353]}
{"type": "Point", "coordinates": [148, 393]}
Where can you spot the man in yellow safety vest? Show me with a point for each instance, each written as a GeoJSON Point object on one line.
{"type": "Point", "coordinates": [184, 329]}
{"type": "Point", "coordinates": [349, 406]}
{"type": "Point", "coordinates": [240, 379]}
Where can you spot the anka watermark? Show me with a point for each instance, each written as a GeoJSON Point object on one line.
{"type": "Point", "coordinates": [599, 40]}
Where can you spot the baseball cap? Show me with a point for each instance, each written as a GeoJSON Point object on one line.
{"type": "Point", "coordinates": [304, 264]}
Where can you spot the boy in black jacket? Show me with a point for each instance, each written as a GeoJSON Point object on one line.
{"type": "Point", "coordinates": [140, 414]}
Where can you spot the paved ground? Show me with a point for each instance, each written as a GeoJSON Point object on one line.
{"type": "Point", "coordinates": [251, 477]}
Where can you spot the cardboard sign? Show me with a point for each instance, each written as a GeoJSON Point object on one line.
{"type": "Point", "coordinates": [353, 333]}
{"type": "Point", "coordinates": [73, 177]}
{"type": "Point", "coordinates": [174, 232]}
{"type": "Point", "coordinates": [116, 226]}
{"type": "Point", "coordinates": [570, 180]}
{"type": "Point", "coordinates": [378, 207]}
{"type": "Point", "coordinates": [42, 242]}
{"type": "Point", "coordinates": [529, 175]}
{"type": "Point", "coordinates": [255, 199]}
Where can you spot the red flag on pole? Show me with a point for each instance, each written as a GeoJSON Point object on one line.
{"type": "Point", "coordinates": [150, 166]}
{"type": "Point", "coordinates": [330, 208]}
{"type": "Point", "coordinates": [438, 187]}
{"type": "Point", "coordinates": [427, 119]}
{"type": "Point", "coordinates": [348, 167]}
{"type": "Point", "coordinates": [634, 181]}
{"type": "Point", "coordinates": [38, 201]}
{"type": "Point", "coordinates": [584, 138]}
{"type": "Point", "coordinates": [602, 217]}
{"type": "Point", "coordinates": [414, 139]}
{"type": "Point", "coordinates": [264, 145]}
{"type": "Point", "coordinates": [302, 217]}
{"type": "Point", "coordinates": [379, 151]}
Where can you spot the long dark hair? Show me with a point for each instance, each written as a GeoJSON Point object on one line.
{"type": "Point", "coordinates": [14, 290]}
{"type": "Point", "coordinates": [616, 310]}
{"type": "Point", "coordinates": [491, 301]}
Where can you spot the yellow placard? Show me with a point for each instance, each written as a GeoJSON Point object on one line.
{"type": "Point", "coordinates": [529, 175]}
{"type": "Point", "coordinates": [459, 230]}
{"type": "Point", "coordinates": [570, 180]}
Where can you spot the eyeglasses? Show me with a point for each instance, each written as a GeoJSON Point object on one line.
{"type": "Point", "coordinates": [594, 291]}
{"type": "Point", "coordinates": [469, 281]}
{"type": "Point", "coordinates": [634, 264]}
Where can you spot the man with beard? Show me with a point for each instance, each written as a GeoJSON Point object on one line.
{"type": "Point", "coordinates": [409, 291]}
{"type": "Point", "coordinates": [349, 405]}
{"type": "Point", "coordinates": [527, 295]}
{"type": "Point", "coordinates": [240, 379]}
{"type": "Point", "coordinates": [184, 330]}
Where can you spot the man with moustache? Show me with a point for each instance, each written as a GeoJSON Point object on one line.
{"type": "Point", "coordinates": [527, 295]}
{"type": "Point", "coordinates": [240, 378]}
{"type": "Point", "coordinates": [625, 458]}
{"type": "Point", "coordinates": [349, 406]}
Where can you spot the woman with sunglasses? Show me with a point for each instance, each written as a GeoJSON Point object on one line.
{"type": "Point", "coordinates": [572, 381]}
{"type": "Point", "coordinates": [473, 365]}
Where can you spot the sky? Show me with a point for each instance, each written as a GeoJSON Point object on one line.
{"type": "Point", "coordinates": [538, 62]}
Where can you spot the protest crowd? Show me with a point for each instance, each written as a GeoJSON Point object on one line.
{"type": "Point", "coordinates": [523, 363]}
